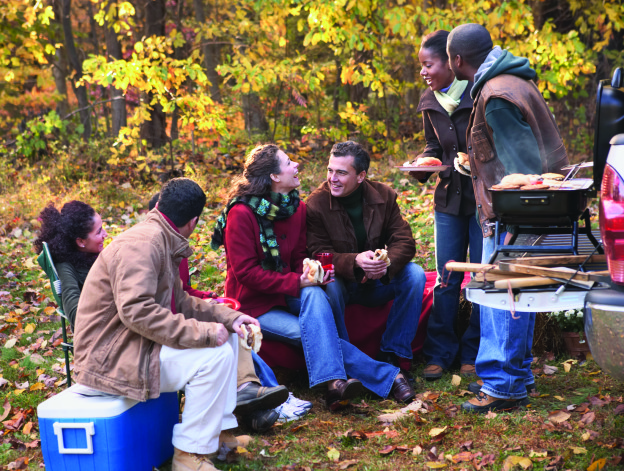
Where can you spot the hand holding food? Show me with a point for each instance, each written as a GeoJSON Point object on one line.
{"type": "Point", "coordinates": [316, 272]}
{"type": "Point", "coordinates": [424, 162]}
{"type": "Point", "coordinates": [382, 254]}
{"type": "Point", "coordinates": [462, 163]}
{"type": "Point", "coordinates": [252, 337]}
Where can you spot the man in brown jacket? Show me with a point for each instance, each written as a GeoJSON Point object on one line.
{"type": "Point", "coordinates": [351, 217]}
{"type": "Point", "coordinates": [511, 130]}
{"type": "Point", "coordinates": [139, 334]}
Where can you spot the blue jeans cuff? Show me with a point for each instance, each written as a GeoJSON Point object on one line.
{"type": "Point", "coordinates": [502, 395]}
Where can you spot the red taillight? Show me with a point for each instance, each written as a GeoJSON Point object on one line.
{"type": "Point", "coordinates": [612, 222]}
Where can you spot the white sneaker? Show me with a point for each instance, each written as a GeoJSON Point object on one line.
{"type": "Point", "coordinates": [288, 412]}
{"type": "Point", "coordinates": [300, 403]}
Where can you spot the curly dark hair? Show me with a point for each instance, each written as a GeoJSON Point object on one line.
{"type": "Point", "coordinates": [61, 229]}
{"type": "Point", "coordinates": [261, 162]}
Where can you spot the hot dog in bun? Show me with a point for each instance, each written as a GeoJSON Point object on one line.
{"type": "Point", "coordinates": [382, 254]}
{"type": "Point", "coordinates": [252, 337]}
{"type": "Point", "coordinates": [316, 273]}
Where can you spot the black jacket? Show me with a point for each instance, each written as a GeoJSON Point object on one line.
{"type": "Point", "coordinates": [445, 136]}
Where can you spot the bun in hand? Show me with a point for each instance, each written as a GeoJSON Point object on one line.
{"type": "Point", "coordinates": [316, 273]}
{"type": "Point", "coordinates": [252, 337]}
{"type": "Point", "coordinates": [382, 254]}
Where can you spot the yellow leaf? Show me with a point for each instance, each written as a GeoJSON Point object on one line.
{"type": "Point", "coordinates": [245, 88]}
{"type": "Point", "coordinates": [456, 381]}
{"type": "Point", "coordinates": [434, 432]}
{"type": "Point", "coordinates": [29, 263]}
{"type": "Point", "coordinates": [598, 464]}
{"type": "Point", "coordinates": [282, 42]}
{"type": "Point", "coordinates": [27, 428]}
{"type": "Point", "coordinates": [10, 343]}
{"type": "Point", "coordinates": [30, 328]}
{"type": "Point", "coordinates": [512, 461]}
{"type": "Point", "coordinates": [39, 371]}
{"type": "Point", "coordinates": [333, 454]}
{"type": "Point", "coordinates": [37, 387]}
{"type": "Point", "coordinates": [566, 367]}
{"type": "Point", "coordinates": [578, 450]}
{"type": "Point", "coordinates": [559, 398]}
{"type": "Point", "coordinates": [240, 450]}
{"type": "Point", "coordinates": [49, 310]}
{"type": "Point", "coordinates": [17, 392]}
{"type": "Point", "coordinates": [586, 436]}
{"type": "Point", "coordinates": [535, 454]}
{"type": "Point", "coordinates": [138, 47]}
{"type": "Point", "coordinates": [435, 464]}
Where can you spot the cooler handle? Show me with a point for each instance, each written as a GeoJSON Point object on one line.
{"type": "Point", "coordinates": [89, 432]}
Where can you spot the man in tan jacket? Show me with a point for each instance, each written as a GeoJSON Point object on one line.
{"type": "Point", "coordinates": [139, 334]}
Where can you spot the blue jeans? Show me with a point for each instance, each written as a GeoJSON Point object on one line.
{"type": "Point", "coordinates": [504, 359]}
{"type": "Point", "coordinates": [406, 289]}
{"type": "Point", "coordinates": [308, 322]}
{"type": "Point", "coordinates": [453, 236]}
{"type": "Point", "coordinates": [263, 371]}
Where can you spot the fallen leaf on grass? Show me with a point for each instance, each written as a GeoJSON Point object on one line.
{"type": "Point", "coordinates": [512, 461]}
{"type": "Point", "coordinates": [456, 380]}
{"type": "Point", "coordinates": [333, 454]}
{"type": "Point", "coordinates": [387, 449]}
{"type": "Point", "coordinates": [299, 427]}
{"type": "Point", "coordinates": [415, 406]}
{"type": "Point", "coordinates": [538, 454]}
{"type": "Point", "coordinates": [10, 343]}
{"type": "Point", "coordinates": [598, 464]}
{"type": "Point", "coordinates": [20, 463]}
{"type": "Point", "coordinates": [559, 398]}
{"type": "Point", "coordinates": [417, 450]}
{"type": "Point", "coordinates": [597, 402]}
{"type": "Point", "coordinates": [587, 418]}
{"type": "Point", "coordinates": [27, 428]}
{"type": "Point", "coordinates": [7, 409]}
{"type": "Point", "coordinates": [491, 415]}
{"type": "Point", "coordinates": [434, 432]}
{"type": "Point", "coordinates": [463, 456]}
{"type": "Point", "coordinates": [619, 410]}
{"type": "Point", "coordinates": [435, 464]}
{"type": "Point", "coordinates": [345, 464]}
{"type": "Point", "coordinates": [559, 416]}
{"type": "Point", "coordinates": [356, 434]}
{"type": "Point", "coordinates": [462, 393]}
{"type": "Point", "coordinates": [578, 450]}
{"type": "Point", "coordinates": [550, 370]}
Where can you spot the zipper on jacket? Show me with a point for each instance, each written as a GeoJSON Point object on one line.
{"type": "Point", "coordinates": [149, 354]}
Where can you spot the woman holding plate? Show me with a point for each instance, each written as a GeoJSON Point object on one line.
{"type": "Point", "coordinates": [446, 106]}
{"type": "Point", "coordinates": [263, 229]}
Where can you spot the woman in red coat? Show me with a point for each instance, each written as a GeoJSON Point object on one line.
{"type": "Point", "coordinates": [263, 228]}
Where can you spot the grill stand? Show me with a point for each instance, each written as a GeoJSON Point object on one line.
{"type": "Point", "coordinates": [575, 230]}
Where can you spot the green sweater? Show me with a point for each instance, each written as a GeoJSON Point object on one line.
{"type": "Point", "coordinates": [354, 207]}
{"type": "Point", "coordinates": [72, 281]}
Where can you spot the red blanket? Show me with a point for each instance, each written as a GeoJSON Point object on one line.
{"type": "Point", "coordinates": [366, 326]}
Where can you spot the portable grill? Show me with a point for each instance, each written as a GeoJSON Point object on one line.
{"type": "Point", "coordinates": [558, 211]}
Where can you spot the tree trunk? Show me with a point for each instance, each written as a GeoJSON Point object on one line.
{"type": "Point", "coordinates": [211, 52]}
{"type": "Point", "coordinates": [255, 119]}
{"type": "Point", "coordinates": [118, 105]}
{"type": "Point", "coordinates": [59, 71]}
{"type": "Point", "coordinates": [155, 130]}
{"type": "Point", "coordinates": [76, 64]}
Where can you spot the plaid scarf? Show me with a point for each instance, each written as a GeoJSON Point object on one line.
{"type": "Point", "coordinates": [266, 212]}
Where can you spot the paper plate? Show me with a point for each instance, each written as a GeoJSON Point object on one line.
{"type": "Point", "coordinates": [436, 168]}
{"type": "Point", "coordinates": [234, 303]}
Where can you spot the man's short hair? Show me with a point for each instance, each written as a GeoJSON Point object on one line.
{"type": "Point", "coordinates": [153, 200]}
{"type": "Point", "coordinates": [181, 199]}
{"type": "Point", "coordinates": [472, 42]}
{"type": "Point", "coordinates": [361, 159]}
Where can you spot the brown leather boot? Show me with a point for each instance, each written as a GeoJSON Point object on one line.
{"type": "Point", "coordinates": [433, 372]}
{"type": "Point", "coordinates": [482, 403]}
{"type": "Point", "coordinates": [183, 461]}
{"type": "Point", "coordinates": [467, 370]}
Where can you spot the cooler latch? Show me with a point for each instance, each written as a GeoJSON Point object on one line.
{"type": "Point", "coordinates": [89, 432]}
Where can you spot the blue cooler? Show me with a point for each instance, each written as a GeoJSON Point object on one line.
{"type": "Point", "coordinates": [106, 433]}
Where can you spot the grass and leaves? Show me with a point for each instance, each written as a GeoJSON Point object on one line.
{"type": "Point", "coordinates": [575, 422]}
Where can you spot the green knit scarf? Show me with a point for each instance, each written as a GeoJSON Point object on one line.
{"type": "Point", "coordinates": [283, 207]}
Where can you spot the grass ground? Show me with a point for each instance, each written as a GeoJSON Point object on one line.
{"type": "Point", "coordinates": [575, 422]}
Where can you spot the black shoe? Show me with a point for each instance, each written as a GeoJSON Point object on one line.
{"type": "Point", "coordinates": [475, 387]}
{"type": "Point", "coordinates": [254, 397]}
{"type": "Point", "coordinates": [402, 391]}
{"type": "Point", "coordinates": [482, 403]}
{"type": "Point", "coordinates": [261, 420]}
{"type": "Point", "coordinates": [338, 396]}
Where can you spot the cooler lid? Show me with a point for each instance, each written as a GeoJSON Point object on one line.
{"type": "Point", "coordinates": [79, 402]}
